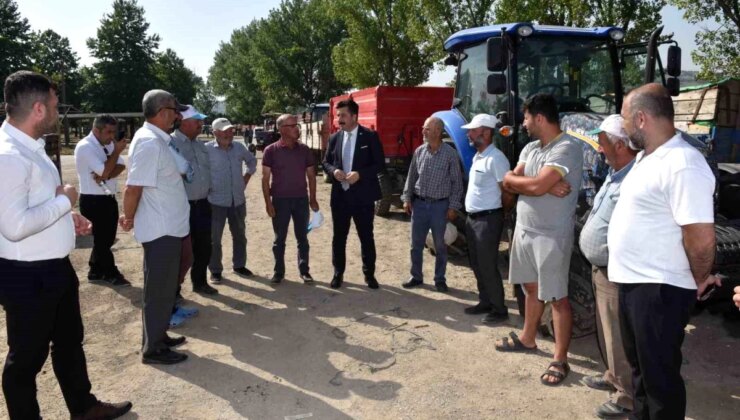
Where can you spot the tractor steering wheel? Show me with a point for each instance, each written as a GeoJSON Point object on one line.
{"type": "Point", "coordinates": [556, 89]}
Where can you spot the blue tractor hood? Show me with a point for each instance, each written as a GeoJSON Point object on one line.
{"type": "Point", "coordinates": [475, 35]}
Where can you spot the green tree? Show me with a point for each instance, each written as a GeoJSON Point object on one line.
{"type": "Point", "coordinates": [291, 53]}
{"type": "Point", "coordinates": [173, 76]}
{"type": "Point", "coordinates": [718, 50]}
{"type": "Point", "coordinates": [51, 54]}
{"type": "Point", "coordinates": [382, 47]}
{"type": "Point", "coordinates": [126, 55]}
{"type": "Point", "coordinates": [205, 99]}
{"type": "Point", "coordinates": [232, 77]}
{"type": "Point", "coordinates": [637, 17]}
{"type": "Point", "coordinates": [14, 39]}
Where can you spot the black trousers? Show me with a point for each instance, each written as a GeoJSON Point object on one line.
{"type": "Point", "coordinates": [653, 318]}
{"type": "Point", "coordinates": [285, 210]}
{"type": "Point", "coordinates": [200, 236]}
{"type": "Point", "coordinates": [102, 211]}
{"type": "Point", "coordinates": [42, 306]}
{"type": "Point", "coordinates": [483, 235]}
{"type": "Point", "coordinates": [161, 275]}
{"type": "Point", "coordinates": [342, 214]}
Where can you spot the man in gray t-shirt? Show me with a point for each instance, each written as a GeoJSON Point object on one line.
{"type": "Point", "coordinates": [547, 178]}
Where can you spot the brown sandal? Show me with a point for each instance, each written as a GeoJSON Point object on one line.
{"type": "Point", "coordinates": [560, 376]}
{"type": "Point", "coordinates": [514, 346]}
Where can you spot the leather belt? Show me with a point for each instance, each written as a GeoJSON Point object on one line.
{"type": "Point", "coordinates": [482, 213]}
{"type": "Point", "coordinates": [429, 200]}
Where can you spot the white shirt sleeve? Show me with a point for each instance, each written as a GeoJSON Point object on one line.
{"type": "Point", "coordinates": [87, 161]}
{"type": "Point", "coordinates": [500, 166]}
{"type": "Point", "coordinates": [17, 220]}
{"type": "Point", "coordinates": [689, 192]}
{"type": "Point", "coordinates": [144, 164]}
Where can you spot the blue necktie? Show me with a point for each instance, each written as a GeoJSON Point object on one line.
{"type": "Point", "coordinates": [347, 158]}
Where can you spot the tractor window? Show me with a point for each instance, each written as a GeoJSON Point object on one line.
{"type": "Point", "coordinates": [470, 92]}
{"type": "Point", "coordinates": [579, 72]}
{"type": "Point", "coordinates": [634, 64]}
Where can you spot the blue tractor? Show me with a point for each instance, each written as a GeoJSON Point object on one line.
{"type": "Point", "coordinates": [589, 71]}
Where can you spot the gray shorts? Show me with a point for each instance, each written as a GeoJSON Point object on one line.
{"type": "Point", "coordinates": [544, 259]}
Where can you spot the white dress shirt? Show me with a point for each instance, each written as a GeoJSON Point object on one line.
{"type": "Point", "coordinates": [35, 223]}
{"type": "Point", "coordinates": [163, 209]}
{"type": "Point", "coordinates": [90, 157]}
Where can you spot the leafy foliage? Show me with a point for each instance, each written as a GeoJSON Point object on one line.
{"type": "Point", "coordinates": [14, 39]}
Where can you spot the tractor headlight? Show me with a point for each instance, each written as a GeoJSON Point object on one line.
{"type": "Point", "coordinates": [524, 30]}
{"type": "Point", "coordinates": [616, 34]}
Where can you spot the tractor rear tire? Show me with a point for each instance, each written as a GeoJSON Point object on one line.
{"type": "Point", "coordinates": [383, 206]}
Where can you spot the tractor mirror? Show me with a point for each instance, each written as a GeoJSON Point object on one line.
{"type": "Point", "coordinates": [673, 85]}
{"type": "Point", "coordinates": [496, 56]}
{"type": "Point", "coordinates": [673, 67]}
{"type": "Point", "coordinates": [496, 84]}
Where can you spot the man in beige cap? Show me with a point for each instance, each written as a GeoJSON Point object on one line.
{"type": "Point", "coordinates": [227, 198]}
{"type": "Point", "coordinates": [615, 145]}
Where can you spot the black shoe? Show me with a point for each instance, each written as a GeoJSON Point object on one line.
{"type": "Point", "coordinates": [371, 282]}
{"type": "Point", "coordinates": [598, 382]}
{"type": "Point", "coordinates": [95, 277]}
{"type": "Point", "coordinates": [216, 278]}
{"type": "Point", "coordinates": [412, 282]}
{"type": "Point", "coordinates": [336, 281]}
{"type": "Point", "coordinates": [441, 287]}
{"type": "Point", "coordinates": [243, 271]}
{"type": "Point", "coordinates": [494, 318]}
{"type": "Point", "coordinates": [205, 289]}
{"type": "Point", "coordinates": [276, 278]}
{"type": "Point", "coordinates": [163, 357]}
{"type": "Point", "coordinates": [307, 279]}
{"type": "Point", "coordinates": [105, 411]}
{"type": "Point", "coordinates": [117, 281]}
{"type": "Point", "coordinates": [173, 341]}
{"type": "Point", "coordinates": [609, 410]}
{"type": "Point", "coordinates": [477, 309]}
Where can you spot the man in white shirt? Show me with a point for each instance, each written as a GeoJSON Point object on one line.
{"type": "Point", "coordinates": [156, 206]}
{"type": "Point", "coordinates": [485, 202]}
{"type": "Point", "coordinates": [661, 249]}
{"type": "Point", "coordinates": [38, 285]}
{"type": "Point", "coordinates": [98, 162]}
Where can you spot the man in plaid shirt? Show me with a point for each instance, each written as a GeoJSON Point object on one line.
{"type": "Point", "coordinates": [432, 193]}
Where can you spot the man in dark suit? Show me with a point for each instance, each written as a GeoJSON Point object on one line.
{"type": "Point", "coordinates": [353, 160]}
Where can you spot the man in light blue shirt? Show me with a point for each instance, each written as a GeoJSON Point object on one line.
{"type": "Point", "coordinates": [227, 198]}
{"type": "Point", "coordinates": [620, 156]}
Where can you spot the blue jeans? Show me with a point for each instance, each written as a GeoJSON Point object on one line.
{"type": "Point", "coordinates": [429, 215]}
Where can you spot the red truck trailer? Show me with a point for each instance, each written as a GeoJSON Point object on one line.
{"type": "Point", "coordinates": [397, 114]}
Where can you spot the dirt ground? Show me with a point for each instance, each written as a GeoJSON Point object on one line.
{"type": "Point", "coordinates": [299, 352]}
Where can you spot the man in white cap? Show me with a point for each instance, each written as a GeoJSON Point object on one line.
{"type": "Point", "coordinates": [227, 198]}
{"type": "Point", "coordinates": [614, 144]}
{"type": "Point", "coordinates": [185, 138]}
{"type": "Point", "coordinates": [485, 202]}
{"type": "Point", "coordinates": [547, 178]}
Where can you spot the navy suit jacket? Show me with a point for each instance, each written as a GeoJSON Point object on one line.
{"type": "Point", "coordinates": [368, 160]}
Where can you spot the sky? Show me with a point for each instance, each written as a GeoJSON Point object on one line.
{"type": "Point", "coordinates": [195, 29]}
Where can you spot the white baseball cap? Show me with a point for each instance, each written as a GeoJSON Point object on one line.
{"type": "Point", "coordinates": [193, 113]}
{"type": "Point", "coordinates": [221, 124]}
{"type": "Point", "coordinates": [611, 125]}
{"type": "Point", "coordinates": [481, 120]}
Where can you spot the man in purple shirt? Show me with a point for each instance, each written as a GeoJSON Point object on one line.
{"type": "Point", "coordinates": [289, 164]}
